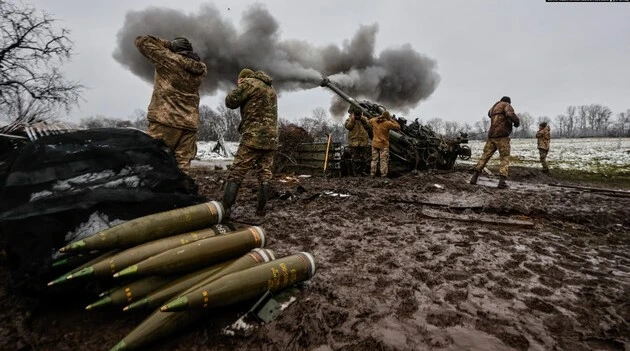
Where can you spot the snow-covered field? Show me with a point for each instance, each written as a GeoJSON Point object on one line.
{"type": "Point", "coordinates": [206, 158]}
{"type": "Point", "coordinates": [602, 155]}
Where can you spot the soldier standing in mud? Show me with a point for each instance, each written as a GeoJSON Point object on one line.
{"type": "Point", "coordinates": [381, 126]}
{"type": "Point", "coordinates": [258, 103]}
{"type": "Point", "coordinates": [358, 141]}
{"type": "Point", "coordinates": [173, 113]}
{"type": "Point", "coordinates": [544, 139]}
{"type": "Point", "coordinates": [502, 118]}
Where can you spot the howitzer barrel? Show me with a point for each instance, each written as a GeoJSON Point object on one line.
{"type": "Point", "coordinates": [327, 83]}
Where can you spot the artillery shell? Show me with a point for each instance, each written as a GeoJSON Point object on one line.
{"type": "Point", "coordinates": [247, 284]}
{"type": "Point", "coordinates": [64, 277]}
{"type": "Point", "coordinates": [142, 252]}
{"type": "Point", "coordinates": [162, 295]}
{"type": "Point", "coordinates": [130, 292]}
{"type": "Point", "coordinates": [161, 324]}
{"type": "Point", "coordinates": [152, 227]}
{"type": "Point", "coordinates": [198, 254]}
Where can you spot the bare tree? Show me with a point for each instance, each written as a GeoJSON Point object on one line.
{"type": "Point", "coordinates": [451, 129]}
{"type": "Point", "coordinates": [139, 120]}
{"type": "Point", "coordinates": [623, 123]}
{"type": "Point", "coordinates": [32, 50]}
{"type": "Point", "coordinates": [437, 124]}
{"type": "Point", "coordinates": [525, 129]}
{"type": "Point", "coordinates": [543, 119]}
{"type": "Point", "coordinates": [100, 121]}
{"type": "Point", "coordinates": [571, 121]}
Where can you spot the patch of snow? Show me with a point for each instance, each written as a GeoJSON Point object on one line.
{"type": "Point", "coordinates": [333, 194]}
{"type": "Point", "coordinates": [240, 324]}
{"type": "Point", "coordinates": [585, 154]}
{"type": "Point", "coordinates": [288, 303]}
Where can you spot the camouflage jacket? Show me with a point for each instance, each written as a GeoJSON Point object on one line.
{"type": "Point", "coordinates": [259, 111]}
{"type": "Point", "coordinates": [357, 133]}
{"type": "Point", "coordinates": [502, 117]}
{"type": "Point", "coordinates": [175, 100]}
{"type": "Point", "coordinates": [381, 127]}
{"type": "Point", "coordinates": [544, 138]}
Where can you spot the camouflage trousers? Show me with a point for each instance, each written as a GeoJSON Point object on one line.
{"type": "Point", "coordinates": [492, 145]}
{"type": "Point", "coordinates": [543, 159]}
{"type": "Point", "coordinates": [383, 156]}
{"type": "Point", "coordinates": [358, 162]}
{"type": "Point", "coordinates": [247, 158]}
{"type": "Point", "coordinates": [182, 142]}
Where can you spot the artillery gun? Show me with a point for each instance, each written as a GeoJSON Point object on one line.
{"type": "Point", "coordinates": [415, 146]}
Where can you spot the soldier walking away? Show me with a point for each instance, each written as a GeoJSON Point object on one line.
{"type": "Point", "coordinates": [358, 141]}
{"type": "Point", "coordinates": [258, 102]}
{"type": "Point", "coordinates": [381, 126]}
{"type": "Point", "coordinates": [173, 113]}
{"type": "Point", "coordinates": [502, 118]}
{"type": "Point", "coordinates": [544, 139]}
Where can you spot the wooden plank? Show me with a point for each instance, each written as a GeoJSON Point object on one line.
{"type": "Point", "coordinates": [588, 188]}
{"type": "Point", "coordinates": [477, 218]}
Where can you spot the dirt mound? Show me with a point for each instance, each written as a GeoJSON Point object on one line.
{"type": "Point", "coordinates": [419, 262]}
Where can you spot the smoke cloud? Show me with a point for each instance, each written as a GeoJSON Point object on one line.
{"type": "Point", "coordinates": [398, 78]}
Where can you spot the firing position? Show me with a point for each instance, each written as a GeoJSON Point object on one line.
{"type": "Point", "coordinates": [544, 139]}
{"type": "Point", "coordinates": [502, 118]}
{"type": "Point", "coordinates": [173, 113]}
{"type": "Point", "coordinates": [258, 102]}
{"type": "Point", "coordinates": [381, 126]}
{"type": "Point", "coordinates": [358, 141]}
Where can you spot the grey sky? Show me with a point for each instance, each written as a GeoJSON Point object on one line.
{"type": "Point", "coordinates": [546, 56]}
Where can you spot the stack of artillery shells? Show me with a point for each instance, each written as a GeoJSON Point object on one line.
{"type": "Point", "coordinates": [182, 262]}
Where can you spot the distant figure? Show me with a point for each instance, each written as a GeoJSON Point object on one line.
{"type": "Point", "coordinates": [174, 109]}
{"type": "Point", "coordinates": [258, 102]}
{"type": "Point", "coordinates": [381, 126]}
{"type": "Point", "coordinates": [358, 141]}
{"type": "Point", "coordinates": [502, 117]}
{"type": "Point", "coordinates": [544, 139]}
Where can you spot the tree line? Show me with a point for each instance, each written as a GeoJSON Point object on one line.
{"type": "Point", "coordinates": [579, 121]}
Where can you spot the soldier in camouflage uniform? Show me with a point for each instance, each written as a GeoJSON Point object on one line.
{"type": "Point", "coordinates": [544, 139]}
{"type": "Point", "coordinates": [358, 141]}
{"type": "Point", "coordinates": [174, 109]}
{"type": "Point", "coordinates": [258, 102]}
{"type": "Point", "coordinates": [502, 117]}
{"type": "Point", "coordinates": [381, 126]}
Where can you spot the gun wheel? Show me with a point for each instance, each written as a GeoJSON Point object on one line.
{"type": "Point", "coordinates": [469, 153]}
{"type": "Point", "coordinates": [430, 156]}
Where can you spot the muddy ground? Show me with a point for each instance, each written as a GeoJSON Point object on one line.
{"type": "Point", "coordinates": [407, 264]}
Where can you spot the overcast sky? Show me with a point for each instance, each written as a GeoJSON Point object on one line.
{"type": "Point", "coordinates": [546, 56]}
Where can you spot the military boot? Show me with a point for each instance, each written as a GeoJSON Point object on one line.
{"type": "Point", "coordinates": [263, 195]}
{"type": "Point", "coordinates": [474, 178]}
{"type": "Point", "coordinates": [502, 183]}
{"type": "Point", "coordinates": [229, 196]}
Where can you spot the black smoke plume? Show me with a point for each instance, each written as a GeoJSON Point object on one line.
{"type": "Point", "coordinates": [398, 78]}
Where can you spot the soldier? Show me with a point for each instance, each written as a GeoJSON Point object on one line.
{"type": "Point", "coordinates": [174, 109]}
{"type": "Point", "coordinates": [502, 117]}
{"type": "Point", "coordinates": [358, 140]}
{"type": "Point", "coordinates": [258, 102]}
{"type": "Point", "coordinates": [544, 139]}
{"type": "Point", "coordinates": [381, 126]}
